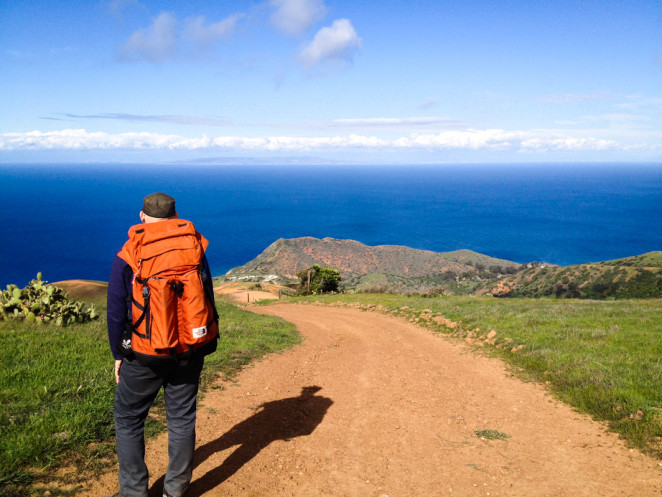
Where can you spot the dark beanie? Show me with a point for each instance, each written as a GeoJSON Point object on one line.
{"type": "Point", "coordinates": [159, 205]}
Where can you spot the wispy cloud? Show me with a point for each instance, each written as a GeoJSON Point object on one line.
{"type": "Point", "coordinates": [155, 43]}
{"type": "Point", "coordinates": [166, 38]}
{"type": "Point", "coordinates": [18, 54]}
{"type": "Point", "coordinates": [633, 112]}
{"type": "Point", "coordinates": [384, 122]}
{"type": "Point", "coordinates": [197, 30]}
{"type": "Point", "coordinates": [118, 7]}
{"type": "Point", "coordinates": [338, 42]}
{"type": "Point", "coordinates": [657, 60]}
{"type": "Point", "coordinates": [547, 144]}
{"type": "Point", "coordinates": [641, 102]}
{"type": "Point", "coordinates": [170, 119]}
{"type": "Point", "coordinates": [428, 104]}
{"type": "Point", "coordinates": [569, 98]}
{"type": "Point", "coordinates": [470, 139]}
{"type": "Point", "coordinates": [294, 17]}
{"type": "Point", "coordinates": [621, 120]}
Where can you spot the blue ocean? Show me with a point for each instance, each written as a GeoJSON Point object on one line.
{"type": "Point", "coordinates": [68, 221]}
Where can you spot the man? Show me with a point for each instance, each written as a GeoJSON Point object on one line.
{"type": "Point", "coordinates": [138, 379]}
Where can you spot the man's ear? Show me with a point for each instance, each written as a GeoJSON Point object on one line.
{"type": "Point", "coordinates": [142, 217]}
{"type": "Point", "coordinates": [176, 216]}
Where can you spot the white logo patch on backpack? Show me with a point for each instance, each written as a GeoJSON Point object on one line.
{"type": "Point", "coordinates": [199, 332]}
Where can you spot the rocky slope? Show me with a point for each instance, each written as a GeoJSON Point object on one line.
{"type": "Point", "coordinates": [398, 269]}
{"type": "Point", "coordinates": [389, 266]}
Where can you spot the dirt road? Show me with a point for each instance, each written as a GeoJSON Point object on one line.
{"type": "Point", "coordinates": [372, 406]}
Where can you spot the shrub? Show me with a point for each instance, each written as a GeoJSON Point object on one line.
{"type": "Point", "coordinates": [318, 279]}
{"type": "Point", "coordinates": [40, 303]}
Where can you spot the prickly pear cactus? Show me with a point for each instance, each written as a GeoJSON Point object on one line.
{"type": "Point", "coordinates": [41, 303]}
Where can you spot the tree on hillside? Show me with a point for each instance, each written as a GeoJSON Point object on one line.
{"type": "Point", "coordinates": [317, 279]}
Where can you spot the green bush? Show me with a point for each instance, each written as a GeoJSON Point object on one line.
{"type": "Point", "coordinates": [318, 279]}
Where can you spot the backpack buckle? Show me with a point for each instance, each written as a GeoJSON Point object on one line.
{"type": "Point", "coordinates": [177, 287]}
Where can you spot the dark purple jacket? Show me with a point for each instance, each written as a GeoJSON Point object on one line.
{"type": "Point", "coordinates": [119, 299]}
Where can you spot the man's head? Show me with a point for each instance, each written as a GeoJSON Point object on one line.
{"type": "Point", "coordinates": [157, 207]}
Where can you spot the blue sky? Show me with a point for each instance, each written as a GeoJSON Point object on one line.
{"type": "Point", "coordinates": [323, 80]}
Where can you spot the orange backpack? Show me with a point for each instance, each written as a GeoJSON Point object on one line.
{"type": "Point", "coordinates": [172, 309]}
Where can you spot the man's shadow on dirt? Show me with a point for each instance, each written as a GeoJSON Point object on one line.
{"type": "Point", "coordinates": [277, 420]}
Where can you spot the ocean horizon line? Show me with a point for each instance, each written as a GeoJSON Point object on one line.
{"type": "Point", "coordinates": [312, 162]}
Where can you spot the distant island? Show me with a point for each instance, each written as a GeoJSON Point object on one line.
{"type": "Point", "coordinates": [404, 270]}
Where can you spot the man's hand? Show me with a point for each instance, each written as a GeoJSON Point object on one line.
{"type": "Point", "coordinates": [118, 365]}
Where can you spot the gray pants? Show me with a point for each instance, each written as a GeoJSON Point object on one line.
{"type": "Point", "coordinates": [134, 396]}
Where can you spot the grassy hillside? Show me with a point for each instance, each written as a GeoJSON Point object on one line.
{"type": "Point", "coordinates": [403, 270]}
{"type": "Point", "coordinates": [603, 357]}
{"type": "Point", "coordinates": [389, 268]}
{"type": "Point", "coordinates": [632, 277]}
{"type": "Point", "coordinates": [57, 387]}
{"type": "Point", "coordinates": [649, 260]}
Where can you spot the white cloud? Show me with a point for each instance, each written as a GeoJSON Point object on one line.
{"type": "Point", "coordinates": [469, 140]}
{"type": "Point", "coordinates": [621, 121]}
{"type": "Point", "coordinates": [472, 139]}
{"type": "Point", "coordinates": [80, 139]}
{"type": "Point", "coordinates": [169, 38]}
{"type": "Point", "coordinates": [570, 98]}
{"type": "Point", "coordinates": [170, 119]}
{"type": "Point", "coordinates": [293, 17]}
{"type": "Point", "coordinates": [292, 143]}
{"type": "Point", "coordinates": [380, 122]}
{"type": "Point", "coordinates": [117, 7]}
{"type": "Point", "coordinates": [197, 31]}
{"type": "Point", "coordinates": [429, 103]}
{"type": "Point", "coordinates": [497, 139]}
{"type": "Point", "coordinates": [542, 144]}
{"type": "Point", "coordinates": [155, 43]}
{"type": "Point", "coordinates": [639, 102]}
{"type": "Point", "coordinates": [164, 40]}
{"type": "Point", "coordinates": [339, 42]}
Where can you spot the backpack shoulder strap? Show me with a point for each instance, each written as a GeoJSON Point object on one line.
{"type": "Point", "coordinates": [208, 288]}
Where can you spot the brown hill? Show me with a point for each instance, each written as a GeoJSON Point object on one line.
{"type": "Point", "coordinates": [354, 260]}
{"type": "Point", "coordinates": [398, 269]}
{"type": "Point", "coordinates": [93, 292]}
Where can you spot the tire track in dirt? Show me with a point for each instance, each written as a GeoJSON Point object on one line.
{"type": "Point", "coordinates": [371, 406]}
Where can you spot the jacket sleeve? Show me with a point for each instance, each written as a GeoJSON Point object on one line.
{"type": "Point", "coordinates": [118, 308]}
{"type": "Point", "coordinates": [209, 285]}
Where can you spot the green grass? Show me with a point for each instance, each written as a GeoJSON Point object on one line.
{"type": "Point", "coordinates": [491, 434]}
{"type": "Point", "coordinates": [55, 397]}
{"type": "Point", "coordinates": [57, 387]}
{"type": "Point", "coordinates": [602, 357]}
{"type": "Point", "coordinates": [650, 259]}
